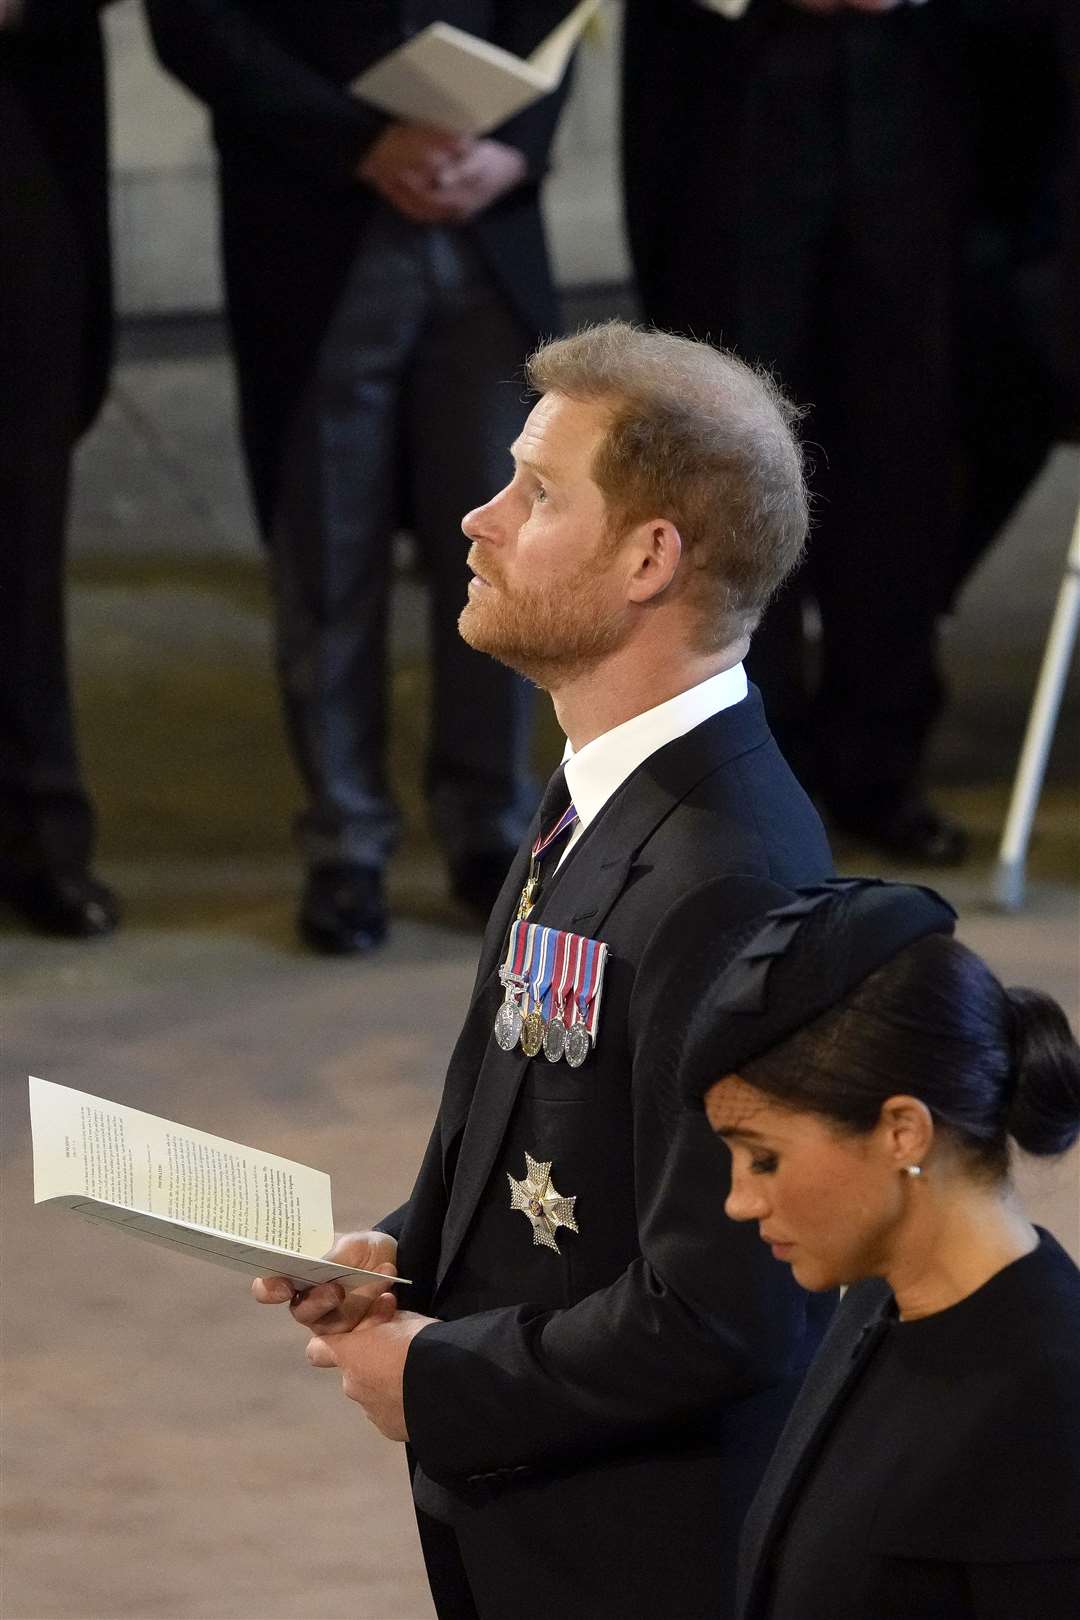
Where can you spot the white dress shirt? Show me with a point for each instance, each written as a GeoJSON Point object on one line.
{"type": "Point", "coordinates": [597, 770]}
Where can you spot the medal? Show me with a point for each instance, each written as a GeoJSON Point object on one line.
{"type": "Point", "coordinates": [544, 942]}
{"type": "Point", "coordinates": [577, 1044]}
{"type": "Point", "coordinates": [532, 1033]}
{"type": "Point", "coordinates": [588, 984]}
{"type": "Point", "coordinates": [554, 1038]}
{"type": "Point", "coordinates": [513, 975]}
{"type": "Point", "coordinates": [527, 898]}
{"type": "Point", "coordinates": [567, 953]}
{"type": "Point", "coordinates": [508, 1022]}
{"type": "Point", "coordinates": [553, 982]}
{"type": "Point", "coordinates": [545, 1209]}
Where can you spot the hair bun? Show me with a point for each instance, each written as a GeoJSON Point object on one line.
{"type": "Point", "coordinates": [1044, 1112]}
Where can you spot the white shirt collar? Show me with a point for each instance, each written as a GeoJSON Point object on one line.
{"type": "Point", "coordinates": [602, 766]}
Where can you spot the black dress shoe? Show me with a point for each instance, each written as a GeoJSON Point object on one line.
{"type": "Point", "coordinates": [475, 880]}
{"type": "Point", "coordinates": [343, 910]}
{"type": "Point", "coordinates": [72, 905]}
{"type": "Point", "coordinates": [914, 831]}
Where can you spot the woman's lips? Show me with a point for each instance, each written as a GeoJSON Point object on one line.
{"type": "Point", "coordinates": [780, 1250]}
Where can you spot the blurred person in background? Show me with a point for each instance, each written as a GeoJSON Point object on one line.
{"type": "Point", "coordinates": [873, 198]}
{"type": "Point", "coordinates": [384, 282]}
{"type": "Point", "coordinates": [55, 347]}
{"type": "Point", "coordinates": [871, 1078]}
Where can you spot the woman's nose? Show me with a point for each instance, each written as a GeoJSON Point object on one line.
{"type": "Point", "coordinates": [744, 1202]}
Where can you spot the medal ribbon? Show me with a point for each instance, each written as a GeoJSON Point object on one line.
{"type": "Point", "coordinates": [528, 951]}
{"type": "Point", "coordinates": [557, 993]}
{"type": "Point", "coordinates": [547, 939]}
{"type": "Point", "coordinates": [587, 986]}
{"type": "Point", "coordinates": [543, 842]}
{"type": "Point", "coordinates": [515, 953]}
{"type": "Point", "coordinates": [565, 974]}
{"type": "Point", "coordinates": [567, 819]}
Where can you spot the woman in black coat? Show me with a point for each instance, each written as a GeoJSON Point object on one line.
{"type": "Point", "coordinates": [870, 1076]}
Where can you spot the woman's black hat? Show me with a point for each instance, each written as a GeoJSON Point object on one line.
{"type": "Point", "coordinates": [741, 963]}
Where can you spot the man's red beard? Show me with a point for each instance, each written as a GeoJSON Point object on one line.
{"type": "Point", "coordinates": [550, 631]}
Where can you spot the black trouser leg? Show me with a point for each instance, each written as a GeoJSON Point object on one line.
{"type": "Point", "coordinates": [331, 545]}
{"type": "Point", "coordinates": [46, 821]}
{"type": "Point", "coordinates": [445, 1571]}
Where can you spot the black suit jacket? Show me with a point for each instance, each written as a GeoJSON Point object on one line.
{"type": "Point", "coordinates": [275, 76]}
{"type": "Point", "coordinates": [55, 222]}
{"type": "Point", "coordinates": [592, 1422]}
{"type": "Point", "coordinates": [971, 1476]}
{"type": "Point", "coordinates": [943, 141]}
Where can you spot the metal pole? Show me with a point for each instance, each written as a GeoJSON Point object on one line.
{"type": "Point", "coordinates": [1010, 875]}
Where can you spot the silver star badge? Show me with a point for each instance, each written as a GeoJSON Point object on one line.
{"type": "Point", "coordinates": [546, 1209]}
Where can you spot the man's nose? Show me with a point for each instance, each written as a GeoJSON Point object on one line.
{"type": "Point", "coordinates": [483, 522]}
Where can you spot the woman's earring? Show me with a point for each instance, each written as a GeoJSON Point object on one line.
{"type": "Point", "coordinates": [913, 1169]}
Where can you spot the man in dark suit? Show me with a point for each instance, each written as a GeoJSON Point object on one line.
{"type": "Point", "coordinates": [55, 339]}
{"type": "Point", "coordinates": [586, 1422]}
{"type": "Point", "coordinates": [843, 191]}
{"type": "Point", "coordinates": [384, 282]}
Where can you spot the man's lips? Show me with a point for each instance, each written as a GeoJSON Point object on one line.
{"type": "Point", "coordinates": [472, 563]}
{"type": "Point", "coordinates": [482, 574]}
{"type": "Point", "coordinates": [777, 1245]}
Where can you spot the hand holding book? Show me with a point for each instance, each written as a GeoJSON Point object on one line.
{"type": "Point", "coordinates": [330, 1307]}
{"type": "Point", "coordinates": [452, 80]}
{"type": "Point", "coordinates": [435, 178]}
{"type": "Point", "coordinates": [192, 1192]}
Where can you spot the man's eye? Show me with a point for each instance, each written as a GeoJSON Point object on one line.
{"type": "Point", "coordinates": [540, 493]}
{"type": "Point", "coordinates": [764, 1165]}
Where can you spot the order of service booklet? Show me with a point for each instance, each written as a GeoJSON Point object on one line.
{"type": "Point", "coordinates": [198, 1194]}
{"type": "Point", "coordinates": [456, 81]}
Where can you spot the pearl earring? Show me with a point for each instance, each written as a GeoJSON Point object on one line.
{"type": "Point", "coordinates": [913, 1169]}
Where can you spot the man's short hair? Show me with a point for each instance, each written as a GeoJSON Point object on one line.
{"type": "Point", "coordinates": [700, 438]}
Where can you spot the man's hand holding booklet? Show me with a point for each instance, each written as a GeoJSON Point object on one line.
{"type": "Point", "coordinates": [195, 1193]}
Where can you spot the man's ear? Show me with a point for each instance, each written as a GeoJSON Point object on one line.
{"type": "Point", "coordinates": [654, 551]}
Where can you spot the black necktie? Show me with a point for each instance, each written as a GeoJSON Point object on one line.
{"type": "Point", "coordinates": [553, 808]}
{"type": "Point", "coordinates": [555, 800]}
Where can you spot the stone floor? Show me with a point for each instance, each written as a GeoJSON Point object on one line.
{"type": "Point", "coordinates": [167, 1453]}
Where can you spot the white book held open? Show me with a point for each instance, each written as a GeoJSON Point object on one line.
{"type": "Point", "coordinates": [195, 1193]}
{"type": "Point", "coordinates": [450, 78]}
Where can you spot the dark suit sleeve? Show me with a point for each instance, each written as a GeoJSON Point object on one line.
{"type": "Point", "coordinates": [702, 1318]}
{"type": "Point", "coordinates": [391, 1224]}
{"type": "Point", "coordinates": [520, 1388]}
{"type": "Point", "coordinates": [223, 56]}
{"type": "Point", "coordinates": [520, 26]}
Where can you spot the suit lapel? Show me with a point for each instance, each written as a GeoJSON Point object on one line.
{"type": "Point", "coordinates": [850, 1342]}
{"type": "Point", "coordinates": [587, 898]}
{"type": "Point", "coordinates": [502, 912]}
{"type": "Point", "coordinates": [578, 897]}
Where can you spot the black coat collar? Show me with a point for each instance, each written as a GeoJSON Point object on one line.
{"type": "Point", "coordinates": [851, 1339]}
